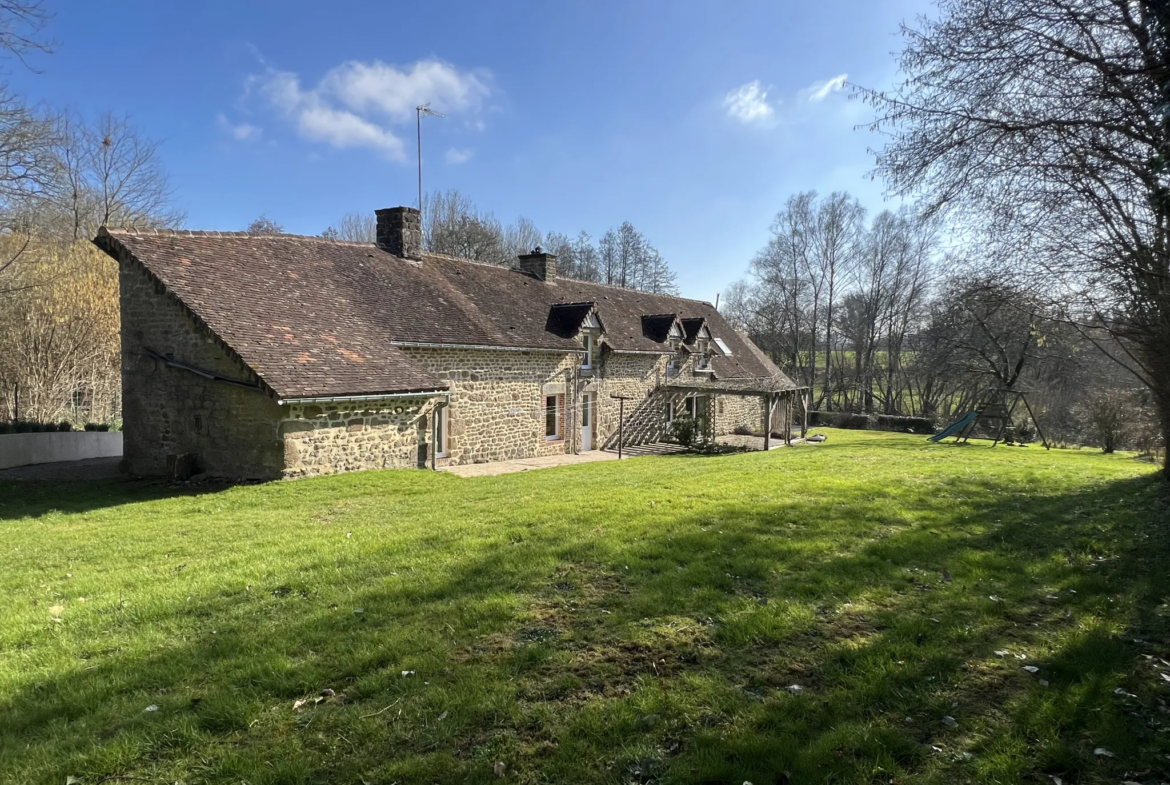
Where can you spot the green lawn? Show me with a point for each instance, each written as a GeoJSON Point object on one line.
{"type": "Point", "coordinates": [635, 622]}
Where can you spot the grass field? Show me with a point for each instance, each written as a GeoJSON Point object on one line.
{"type": "Point", "coordinates": [606, 623]}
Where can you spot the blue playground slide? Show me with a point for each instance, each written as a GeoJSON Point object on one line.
{"type": "Point", "coordinates": [955, 427]}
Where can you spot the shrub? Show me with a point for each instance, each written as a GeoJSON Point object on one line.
{"type": "Point", "coordinates": [5, 427]}
{"type": "Point", "coordinates": [859, 422]}
{"type": "Point", "coordinates": [64, 426]}
{"type": "Point", "coordinates": [97, 426]}
{"type": "Point", "coordinates": [852, 421]}
{"type": "Point", "coordinates": [821, 419]}
{"type": "Point", "coordinates": [892, 422]}
{"type": "Point", "coordinates": [742, 430]}
{"type": "Point", "coordinates": [1108, 415]}
{"type": "Point", "coordinates": [686, 430]}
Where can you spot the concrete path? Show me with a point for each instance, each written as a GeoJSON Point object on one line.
{"type": "Point", "coordinates": [65, 471]}
{"type": "Point", "coordinates": [549, 461]}
{"type": "Point", "coordinates": [752, 442]}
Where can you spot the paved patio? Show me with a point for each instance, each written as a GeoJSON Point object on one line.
{"type": "Point", "coordinates": [549, 461]}
{"type": "Point", "coordinates": [752, 442]}
{"type": "Point", "coordinates": [65, 471]}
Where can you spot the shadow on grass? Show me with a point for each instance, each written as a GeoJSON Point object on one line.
{"type": "Point", "coordinates": [35, 498]}
{"type": "Point", "coordinates": [666, 657]}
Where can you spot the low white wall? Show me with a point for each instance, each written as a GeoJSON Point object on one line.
{"type": "Point", "coordinates": [21, 449]}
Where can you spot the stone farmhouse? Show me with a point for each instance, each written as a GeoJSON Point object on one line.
{"type": "Point", "coordinates": [268, 356]}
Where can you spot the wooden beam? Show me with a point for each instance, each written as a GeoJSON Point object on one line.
{"type": "Point", "coordinates": [767, 422]}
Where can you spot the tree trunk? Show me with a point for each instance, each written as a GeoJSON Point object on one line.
{"type": "Point", "coordinates": [1162, 400]}
{"type": "Point", "coordinates": [827, 393]}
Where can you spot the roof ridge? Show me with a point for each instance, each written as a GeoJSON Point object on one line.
{"type": "Point", "coordinates": [242, 234]}
{"type": "Point", "coordinates": [318, 238]}
{"type": "Point", "coordinates": [446, 257]}
{"type": "Point", "coordinates": [450, 258]}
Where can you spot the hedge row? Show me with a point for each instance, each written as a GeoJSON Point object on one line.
{"type": "Point", "coordinates": [871, 422]}
{"type": "Point", "coordinates": [24, 426]}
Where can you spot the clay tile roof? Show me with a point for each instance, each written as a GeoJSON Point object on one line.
{"type": "Point", "coordinates": [317, 317]}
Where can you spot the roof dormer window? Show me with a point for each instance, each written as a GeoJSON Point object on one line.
{"type": "Point", "coordinates": [590, 343]}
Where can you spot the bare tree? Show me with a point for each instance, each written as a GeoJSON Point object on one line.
{"type": "Point", "coordinates": [452, 225]}
{"type": "Point", "coordinates": [782, 266]}
{"type": "Point", "coordinates": [354, 228]}
{"type": "Point", "coordinates": [839, 234]}
{"type": "Point", "coordinates": [520, 237]}
{"type": "Point", "coordinates": [264, 225]}
{"type": "Point", "coordinates": [21, 25]}
{"type": "Point", "coordinates": [609, 258]}
{"type": "Point", "coordinates": [1043, 123]}
{"type": "Point", "coordinates": [108, 174]}
{"type": "Point", "coordinates": [737, 307]}
{"type": "Point", "coordinates": [585, 256]}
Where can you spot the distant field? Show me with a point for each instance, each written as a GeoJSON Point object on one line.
{"type": "Point", "coordinates": [859, 611]}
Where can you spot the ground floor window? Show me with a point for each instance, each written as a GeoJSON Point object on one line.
{"type": "Point", "coordinates": [692, 406]}
{"type": "Point", "coordinates": [552, 417]}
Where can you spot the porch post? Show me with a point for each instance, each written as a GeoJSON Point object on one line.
{"type": "Point", "coordinates": [788, 419]}
{"type": "Point", "coordinates": [767, 422]}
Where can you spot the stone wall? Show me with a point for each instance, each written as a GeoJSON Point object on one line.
{"type": "Point", "coordinates": [732, 411]}
{"type": "Point", "coordinates": [352, 437]}
{"type": "Point", "coordinates": [229, 430]}
{"type": "Point", "coordinates": [497, 401]}
{"type": "Point", "coordinates": [636, 377]}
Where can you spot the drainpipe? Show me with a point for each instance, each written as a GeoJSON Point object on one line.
{"type": "Point", "coordinates": [571, 414]}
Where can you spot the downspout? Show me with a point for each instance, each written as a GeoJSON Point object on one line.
{"type": "Point", "coordinates": [571, 415]}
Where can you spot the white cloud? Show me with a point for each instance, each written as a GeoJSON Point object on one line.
{"type": "Point", "coordinates": [455, 156]}
{"type": "Point", "coordinates": [819, 91]}
{"type": "Point", "coordinates": [748, 103]}
{"type": "Point", "coordinates": [381, 88]}
{"type": "Point", "coordinates": [357, 104]}
{"type": "Point", "coordinates": [345, 129]}
{"type": "Point", "coordinates": [242, 132]}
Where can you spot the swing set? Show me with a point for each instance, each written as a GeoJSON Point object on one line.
{"type": "Point", "coordinates": [995, 409]}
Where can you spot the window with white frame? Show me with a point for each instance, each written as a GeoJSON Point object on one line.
{"type": "Point", "coordinates": [552, 417]}
{"type": "Point", "coordinates": [590, 351]}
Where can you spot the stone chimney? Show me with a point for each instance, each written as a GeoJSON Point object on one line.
{"type": "Point", "coordinates": [538, 264]}
{"type": "Point", "coordinates": [400, 231]}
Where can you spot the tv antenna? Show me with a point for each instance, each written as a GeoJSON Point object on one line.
{"type": "Point", "coordinates": [420, 111]}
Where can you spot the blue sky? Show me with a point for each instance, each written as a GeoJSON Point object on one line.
{"type": "Point", "coordinates": [694, 121]}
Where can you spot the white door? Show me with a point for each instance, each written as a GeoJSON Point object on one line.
{"type": "Point", "coordinates": [586, 422]}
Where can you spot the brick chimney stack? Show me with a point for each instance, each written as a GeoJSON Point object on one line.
{"type": "Point", "coordinates": [538, 264]}
{"type": "Point", "coordinates": [400, 231]}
